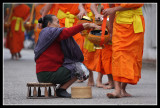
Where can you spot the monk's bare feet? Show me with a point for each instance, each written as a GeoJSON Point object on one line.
{"type": "Point", "coordinates": [125, 94]}
{"type": "Point", "coordinates": [12, 56]}
{"type": "Point", "coordinates": [90, 83]}
{"type": "Point", "coordinates": [99, 85]}
{"type": "Point", "coordinates": [17, 58]}
{"type": "Point", "coordinates": [109, 86]}
{"type": "Point", "coordinates": [107, 83]}
{"type": "Point", "coordinates": [19, 55]}
{"type": "Point", "coordinates": [114, 95]}
{"type": "Point", "coordinates": [90, 79]}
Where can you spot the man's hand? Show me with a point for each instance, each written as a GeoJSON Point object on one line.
{"type": "Point", "coordinates": [91, 26]}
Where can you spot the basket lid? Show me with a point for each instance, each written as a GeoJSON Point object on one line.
{"type": "Point", "coordinates": [98, 32]}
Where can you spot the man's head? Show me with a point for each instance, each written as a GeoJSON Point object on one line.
{"type": "Point", "coordinates": [49, 21]}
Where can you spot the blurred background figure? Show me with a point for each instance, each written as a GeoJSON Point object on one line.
{"type": "Point", "coordinates": [15, 31]}
{"type": "Point", "coordinates": [37, 13]}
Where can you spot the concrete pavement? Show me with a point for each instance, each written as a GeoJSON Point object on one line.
{"type": "Point", "coordinates": [16, 74]}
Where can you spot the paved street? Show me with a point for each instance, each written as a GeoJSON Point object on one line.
{"type": "Point", "coordinates": [17, 73]}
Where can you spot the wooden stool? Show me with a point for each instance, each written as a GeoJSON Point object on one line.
{"type": "Point", "coordinates": [37, 95]}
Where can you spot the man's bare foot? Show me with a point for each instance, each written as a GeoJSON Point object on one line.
{"type": "Point", "coordinates": [114, 95]}
{"type": "Point", "coordinates": [125, 94]}
{"type": "Point", "coordinates": [90, 83]}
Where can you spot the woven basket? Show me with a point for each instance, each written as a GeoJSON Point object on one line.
{"type": "Point", "coordinates": [98, 22]}
{"type": "Point", "coordinates": [81, 92]}
{"type": "Point", "coordinates": [95, 37]}
{"type": "Point", "coordinates": [84, 20]}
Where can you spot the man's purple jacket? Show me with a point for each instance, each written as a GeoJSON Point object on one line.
{"type": "Point", "coordinates": [70, 48]}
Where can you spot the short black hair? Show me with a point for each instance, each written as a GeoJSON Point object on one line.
{"type": "Point", "coordinates": [45, 20]}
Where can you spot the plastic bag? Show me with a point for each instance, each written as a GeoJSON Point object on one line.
{"type": "Point", "coordinates": [82, 72]}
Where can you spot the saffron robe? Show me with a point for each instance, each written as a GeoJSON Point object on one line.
{"type": "Point", "coordinates": [14, 41]}
{"type": "Point", "coordinates": [37, 17]}
{"type": "Point", "coordinates": [127, 50]}
{"type": "Point", "coordinates": [100, 59]}
{"type": "Point", "coordinates": [73, 9]}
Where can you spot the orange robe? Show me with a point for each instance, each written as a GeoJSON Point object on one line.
{"type": "Point", "coordinates": [15, 39]}
{"type": "Point", "coordinates": [127, 50]}
{"type": "Point", "coordinates": [90, 58]}
{"type": "Point", "coordinates": [53, 9]}
{"type": "Point", "coordinates": [104, 64]}
{"type": "Point", "coordinates": [37, 16]}
{"type": "Point", "coordinates": [100, 59]}
{"type": "Point", "coordinates": [73, 9]}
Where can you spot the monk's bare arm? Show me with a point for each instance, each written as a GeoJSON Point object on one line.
{"type": "Point", "coordinates": [82, 11]}
{"type": "Point", "coordinates": [113, 10]}
{"type": "Point", "coordinates": [98, 16]}
{"type": "Point", "coordinates": [46, 9]}
{"type": "Point", "coordinates": [94, 9]}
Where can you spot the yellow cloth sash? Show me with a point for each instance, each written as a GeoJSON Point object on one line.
{"type": "Point", "coordinates": [87, 44]}
{"type": "Point", "coordinates": [69, 18]}
{"type": "Point", "coordinates": [90, 14]}
{"type": "Point", "coordinates": [35, 21]}
{"type": "Point", "coordinates": [129, 17]}
{"type": "Point", "coordinates": [18, 20]}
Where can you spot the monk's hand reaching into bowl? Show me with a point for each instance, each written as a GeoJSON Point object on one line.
{"type": "Point", "coordinates": [98, 17]}
{"type": "Point", "coordinates": [91, 26]}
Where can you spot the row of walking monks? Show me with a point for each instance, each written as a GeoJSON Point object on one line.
{"type": "Point", "coordinates": [120, 62]}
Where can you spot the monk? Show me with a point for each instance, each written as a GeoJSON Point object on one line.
{"type": "Point", "coordinates": [127, 46]}
{"type": "Point", "coordinates": [88, 49]}
{"type": "Point", "coordinates": [15, 36]}
{"type": "Point", "coordinates": [105, 55]}
{"type": "Point", "coordinates": [74, 12]}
